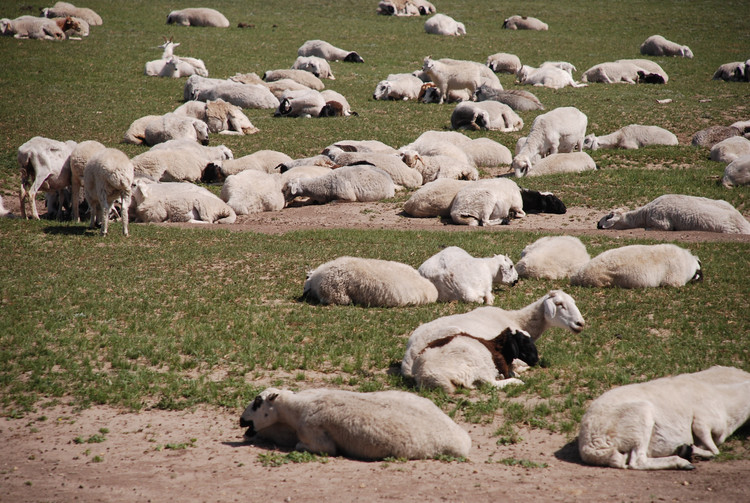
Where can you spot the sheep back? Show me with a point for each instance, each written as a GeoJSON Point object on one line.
{"type": "Point", "coordinates": [487, 202]}
{"type": "Point", "coordinates": [199, 16]}
{"type": "Point", "coordinates": [434, 198]}
{"type": "Point", "coordinates": [179, 202]}
{"type": "Point", "coordinates": [348, 183]}
{"type": "Point", "coordinates": [552, 257]}
{"type": "Point", "coordinates": [253, 191]}
{"type": "Point", "coordinates": [730, 149]}
{"type": "Point", "coordinates": [737, 172]}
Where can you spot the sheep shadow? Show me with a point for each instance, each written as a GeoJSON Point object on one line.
{"type": "Point", "coordinates": [443, 220]}
{"type": "Point", "coordinates": [67, 230]}
{"type": "Point", "coordinates": [569, 453]}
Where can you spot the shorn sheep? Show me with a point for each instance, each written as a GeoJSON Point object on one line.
{"type": "Point", "coordinates": [77, 160]}
{"type": "Point", "coordinates": [656, 45]}
{"type": "Point", "coordinates": [366, 426]}
{"type": "Point", "coordinates": [490, 201]}
{"type": "Point", "coordinates": [571, 162]}
{"type": "Point", "coordinates": [555, 309]}
{"type": "Point", "coordinates": [179, 202]}
{"type": "Point", "coordinates": [679, 212]}
{"type": "Point", "coordinates": [737, 172]}
{"type": "Point", "coordinates": [485, 115]}
{"type": "Point", "coordinates": [348, 183]}
{"type": "Point", "coordinates": [631, 137]}
{"type": "Point", "coordinates": [661, 424]}
{"type": "Point", "coordinates": [307, 79]}
{"type": "Point", "coordinates": [368, 282]}
{"type": "Point", "coordinates": [199, 16]}
{"type": "Point", "coordinates": [459, 276]}
{"type": "Point", "coordinates": [44, 166]}
{"type": "Point", "coordinates": [552, 257]}
{"type": "Point", "coordinates": [730, 149]}
{"type": "Point", "coordinates": [463, 360]}
{"type": "Point", "coordinates": [524, 23]}
{"type": "Point", "coordinates": [640, 266]}
{"type": "Point", "coordinates": [108, 176]}
{"type": "Point", "coordinates": [440, 24]}
{"type": "Point", "coordinates": [327, 51]}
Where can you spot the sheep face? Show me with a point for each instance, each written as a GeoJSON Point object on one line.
{"type": "Point", "coordinates": [610, 221]}
{"type": "Point", "coordinates": [560, 311]}
{"type": "Point", "coordinates": [353, 57]}
{"type": "Point", "coordinates": [261, 413]}
{"type": "Point", "coordinates": [518, 345]}
{"type": "Point", "coordinates": [332, 109]}
{"type": "Point", "coordinates": [506, 271]}
{"type": "Point", "coordinates": [201, 131]}
{"type": "Point", "coordinates": [382, 90]}
{"type": "Point", "coordinates": [590, 142]}
{"type": "Point", "coordinates": [521, 165]}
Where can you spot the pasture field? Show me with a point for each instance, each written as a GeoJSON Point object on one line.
{"type": "Point", "coordinates": [176, 317]}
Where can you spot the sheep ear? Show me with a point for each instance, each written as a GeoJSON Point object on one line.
{"type": "Point", "coordinates": [257, 402]}
{"type": "Point", "coordinates": [272, 397]}
{"type": "Point", "coordinates": [549, 307]}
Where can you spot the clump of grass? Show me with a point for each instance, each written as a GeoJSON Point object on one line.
{"type": "Point", "coordinates": [276, 459]}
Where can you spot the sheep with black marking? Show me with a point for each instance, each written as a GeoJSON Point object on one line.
{"type": "Point", "coordinates": [535, 201]}
{"type": "Point", "coordinates": [458, 75]}
{"type": "Point", "coordinates": [524, 23]}
{"type": "Point", "coordinates": [737, 71]}
{"type": "Point", "coordinates": [198, 16]}
{"type": "Point", "coordinates": [179, 202]}
{"type": "Point", "coordinates": [107, 177]}
{"type": "Point", "coordinates": [517, 99]}
{"type": "Point", "coordinates": [631, 137]}
{"type": "Point", "coordinates": [348, 183]}
{"type": "Point", "coordinates": [552, 257]}
{"type": "Point", "coordinates": [485, 115]}
{"type": "Point", "coordinates": [650, 68]}
{"type": "Point", "coordinates": [549, 76]}
{"type": "Point", "coordinates": [656, 45]}
{"type": "Point", "coordinates": [730, 149]}
{"type": "Point", "coordinates": [440, 24]}
{"type": "Point", "coordinates": [459, 276]}
{"type": "Point", "coordinates": [679, 212]}
{"type": "Point", "coordinates": [378, 425]}
{"type": "Point", "coordinates": [486, 202]}
{"type": "Point", "coordinates": [434, 198]}
{"type": "Point", "coordinates": [302, 77]}
{"type": "Point", "coordinates": [304, 103]}
{"type": "Point", "coordinates": [502, 62]}
{"type": "Point", "coordinates": [44, 165]}
{"type": "Point", "coordinates": [660, 424]}
{"type": "Point", "coordinates": [315, 65]}
{"type": "Point", "coordinates": [405, 88]}
{"type": "Point", "coordinates": [368, 282]}
{"type": "Point", "coordinates": [327, 51]}
{"type": "Point", "coordinates": [737, 172]}
{"type": "Point", "coordinates": [179, 161]}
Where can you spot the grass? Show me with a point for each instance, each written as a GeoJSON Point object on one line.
{"type": "Point", "coordinates": [172, 318]}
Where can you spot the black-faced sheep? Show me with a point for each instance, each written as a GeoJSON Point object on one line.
{"type": "Point", "coordinates": [737, 71]}
{"type": "Point", "coordinates": [535, 201]}
{"type": "Point", "coordinates": [107, 177]}
{"type": "Point", "coordinates": [490, 201]}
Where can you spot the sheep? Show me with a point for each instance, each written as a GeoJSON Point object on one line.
{"type": "Point", "coordinates": [517, 99]}
{"type": "Point", "coordinates": [405, 8]}
{"type": "Point", "coordinates": [652, 68]}
{"type": "Point", "coordinates": [172, 66]}
{"type": "Point", "coordinates": [737, 71]}
{"type": "Point", "coordinates": [454, 75]}
{"type": "Point", "coordinates": [434, 198]}
{"type": "Point", "coordinates": [368, 282]}
{"type": "Point", "coordinates": [433, 167]}
{"type": "Point", "coordinates": [572, 162]}
{"type": "Point", "coordinates": [401, 174]}
{"type": "Point", "coordinates": [279, 87]}
{"type": "Point", "coordinates": [4, 213]}
{"type": "Point", "coordinates": [304, 103]}
{"type": "Point", "coordinates": [730, 149]}
{"type": "Point", "coordinates": [179, 202]}
{"type": "Point", "coordinates": [552, 257]}
{"type": "Point", "coordinates": [555, 309]}
{"type": "Point", "coordinates": [173, 126]}
{"type": "Point", "coordinates": [463, 360]}
{"type": "Point", "coordinates": [369, 426]}
{"type": "Point", "coordinates": [406, 88]}
{"type": "Point", "coordinates": [32, 27]}
{"type": "Point", "coordinates": [199, 16]}
{"type": "Point", "coordinates": [485, 115]}
{"type": "Point", "coordinates": [79, 156]}
{"type": "Point", "coordinates": [136, 132]}
{"type": "Point", "coordinates": [546, 76]}
{"type": "Point", "coordinates": [220, 117]}
{"type": "Point", "coordinates": [328, 52]}
{"type": "Point", "coordinates": [656, 45]}
{"type": "Point", "coordinates": [484, 152]}
{"type": "Point", "coordinates": [107, 177]}
{"type": "Point", "coordinates": [44, 165]}
{"type": "Point", "coordinates": [331, 108]}
{"type": "Point", "coordinates": [487, 202]}
{"type": "Point", "coordinates": [678, 212]}
{"type": "Point", "coordinates": [503, 62]}
{"type": "Point", "coordinates": [315, 65]}
{"type": "Point", "coordinates": [562, 65]}
{"type": "Point", "coordinates": [535, 201]}
{"type": "Point", "coordinates": [267, 161]}
{"type": "Point", "coordinates": [349, 183]}
{"type": "Point", "coordinates": [660, 424]}
{"type": "Point", "coordinates": [299, 172]}
{"type": "Point", "coordinates": [178, 161]}
{"type": "Point", "coordinates": [252, 191]}
{"type": "Point", "coordinates": [558, 131]}
{"type": "Point", "coordinates": [440, 24]}
{"type": "Point", "coordinates": [524, 23]}
{"type": "Point", "coordinates": [65, 9]}
{"type": "Point", "coordinates": [459, 276]}
{"type": "Point", "coordinates": [631, 137]}
{"type": "Point", "coordinates": [612, 72]}
{"type": "Point", "coordinates": [243, 95]}
{"type": "Point", "coordinates": [361, 146]}
{"type": "Point", "coordinates": [316, 160]}
{"type": "Point", "coordinates": [307, 79]}
{"type": "Point", "coordinates": [737, 172]}
{"type": "Point", "coordinates": [714, 134]}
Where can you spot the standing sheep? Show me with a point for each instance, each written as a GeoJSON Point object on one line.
{"type": "Point", "coordinates": [368, 282]}
{"type": "Point", "coordinates": [199, 16]}
{"type": "Point", "coordinates": [440, 24]}
{"type": "Point", "coordinates": [367, 426]}
{"type": "Point", "coordinates": [524, 23]}
{"type": "Point", "coordinates": [44, 166]}
{"type": "Point", "coordinates": [552, 257]}
{"type": "Point", "coordinates": [737, 172]}
{"type": "Point", "coordinates": [485, 115]}
{"type": "Point", "coordinates": [349, 183]}
{"type": "Point", "coordinates": [485, 202]}
{"type": "Point", "coordinates": [179, 202]}
{"type": "Point", "coordinates": [323, 49]}
{"type": "Point", "coordinates": [78, 159]}
{"type": "Point", "coordinates": [571, 162]}
{"type": "Point", "coordinates": [108, 176]}
{"type": "Point", "coordinates": [631, 137]}
{"type": "Point", "coordinates": [454, 75]}
{"type": "Point", "coordinates": [656, 45]}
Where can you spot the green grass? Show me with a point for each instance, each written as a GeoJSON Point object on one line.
{"type": "Point", "coordinates": [173, 318]}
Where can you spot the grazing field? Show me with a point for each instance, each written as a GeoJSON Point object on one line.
{"type": "Point", "coordinates": [178, 317]}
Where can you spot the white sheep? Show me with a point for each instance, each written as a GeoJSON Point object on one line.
{"type": "Point", "coordinates": [459, 276]}
{"type": "Point", "coordinates": [434, 198]}
{"type": "Point", "coordinates": [632, 136]}
{"type": "Point", "coordinates": [172, 66]}
{"type": "Point", "coordinates": [612, 73]}
{"type": "Point", "coordinates": [485, 115]}
{"type": "Point", "coordinates": [316, 160]}
{"type": "Point", "coordinates": [220, 117]}
{"type": "Point", "coordinates": [737, 172]}
{"type": "Point", "coordinates": [279, 87]}
{"type": "Point", "coordinates": [524, 23]}
{"type": "Point", "coordinates": [485, 152]}
{"type": "Point", "coordinates": [303, 103]}
{"type": "Point", "coordinates": [243, 95]}
{"type": "Point", "coordinates": [199, 16]}
{"type": "Point", "coordinates": [178, 162]}
{"type": "Point", "coordinates": [307, 79]}
{"type": "Point", "coordinates": [406, 88]}
{"type": "Point", "coordinates": [640, 266]}
{"type": "Point", "coordinates": [714, 134]}
{"type": "Point", "coordinates": [349, 183]}
{"type": "Point", "coordinates": [33, 27]}
{"type": "Point", "coordinates": [107, 177]}
{"type": "Point", "coordinates": [563, 65]}
{"type": "Point", "coordinates": [253, 191]}
{"type": "Point", "coordinates": [179, 202]}
{"type": "Point", "coordinates": [560, 130]}
{"type": "Point", "coordinates": [77, 161]}
{"type": "Point", "coordinates": [546, 76]}
{"type": "Point", "coordinates": [333, 99]}
{"type": "Point", "coordinates": [267, 161]}
{"type": "Point", "coordinates": [456, 75]}
{"type": "Point", "coordinates": [323, 49]}
{"type": "Point", "coordinates": [660, 424]}
{"type": "Point", "coordinates": [4, 213]}
{"type": "Point", "coordinates": [173, 126]}
{"type": "Point", "coordinates": [656, 45]}
{"type": "Point", "coordinates": [648, 67]}
{"type": "Point", "coordinates": [368, 426]}
{"type": "Point", "coordinates": [401, 174]}
{"type": "Point", "coordinates": [368, 282]}
{"type": "Point", "coordinates": [65, 9]}
{"type": "Point", "coordinates": [517, 99]}
{"type": "Point", "coordinates": [405, 8]}
{"type": "Point", "coordinates": [485, 202]}
{"type": "Point", "coordinates": [502, 62]}
{"type": "Point", "coordinates": [552, 257]}
{"type": "Point", "coordinates": [571, 162]}
{"type": "Point", "coordinates": [433, 167]}
{"type": "Point", "coordinates": [555, 309]}
{"type": "Point", "coordinates": [440, 24]}
{"type": "Point", "coordinates": [298, 172]}
{"type": "Point", "coordinates": [679, 212]}
{"type": "Point", "coordinates": [44, 165]}
{"type": "Point", "coordinates": [730, 149]}
{"type": "Point", "coordinates": [361, 146]}
{"type": "Point", "coordinates": [736, 71]}
{"type": "Point", "coordinates": [315, 65]}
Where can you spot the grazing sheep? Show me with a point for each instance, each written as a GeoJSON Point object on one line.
{"type": "Point", "coordinates": [546, 76]}
{"type": "Point", "coordinates": [199, 16]}
{"type": "Point", "coordinates": [730, 149]}
{"type": "Point", "coordinates": [77, 161]}
{"type": "Point", "coordinates": [485, 115]}
{"type": "Point", "coordinates": [65, 9]}
{"type": "Point", "coordinates": [552, 257]}
{"type": "Point", "coordinates": [44, 165]}
{"type": "Point", "coordinates": [179, 202]}
{"type": "Point", "coordinates": [485, 202]}
{"type": "Point", "coordinates": [252, 191]}
{"type": "Point", "coordinates": [517, 99]}
{"type": "Point", "coordinates": [368, 282]}
{"type": "Point", "coordinates": [315, 65]}
{"type": "Point", "coordinates": [307, 79]}
{"type": "Point", "coordinates": [378, 425]}
{"type": "Point", "coordinates": [535, 201]}
{"type": "Point", "coordinates": [503, 62]}
{"type": "Point", "coordinates": [440, 24]}
{"type": "Point", "coordinates": [555, 309]}
{"type": "Point", "coordinates": [714, 134]}
{"type": "Point", "coordinates": [661, 424]}
{"type": "Point", "coordinates": [406, 88]}
{"type": "Point", "coordinates": [33, 27]}
{"type": "Point", "coordinates": [107, 177]}
{"type": "Point", "coordinates": [220, 116]}
{"type": "Point", "coordinates": [459, 276]}
{"type": "Point", "coordinates": [455, 75]}
{"type": "Point", "coordinates": [737, 71]}
{"type": "Point", "coordinates": [656, 45]}
{"type": "Point", "coordinates": [401, 174]}
{"type": "Point", "coordinates": [328, 52]}
{"type": "Point", "coordinates": [678, 212]}
{"type": "Point", "coordinates": [179, 161]}
{"type": "Point", "coordinates": [173, 126]}
{"type": "Point", "coordinates": [349, 183]}
{"type": "Point", "coordinates": [434, 198]}
{"type": "Point", "coordinates": [737, 172]}
{"type": "Point", "coordinates": [242, 95]}
{"type": "Point", "coordinates": [571, 162]}
{"type": "Point", "coordinates": [631, 137]}
{"type": "Point", "coordinates": [463, 360]}
{"type": "Point", "coordinates": [524, 23]}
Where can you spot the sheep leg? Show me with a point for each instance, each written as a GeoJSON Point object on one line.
{"type": "Point", "coordinates": [74, 200]}
{"type": "Point", "coordinates": [125, 204]}
{"type": "Point", "coordinates": [316, 441]}
{"type": "Point", "coordinates": [22, 196]}
{"type": "Point", "coordinates": [702, 433]}
{"type": "Point", "coordinates": [502, 383]}
{"type": "Point", "coordinates": [104, 208]}
{"type": "Point", "coordinates": [638, 420]}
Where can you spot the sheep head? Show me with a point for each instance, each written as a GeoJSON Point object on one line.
{"type": "Point", "coordinates": [506, 272]}
{"type": "Point", "coordinates": [201, 131]}
{"type": "Point", "coordinates": [516, 344]}
{"type": "Point", "coordinates": [590, 142]}
{"type": "Point", "coordinates": [521, 165]}
{"type": "Point", "coordinates": [332, 109]}
{"type": "Point", "coordinates": [382, 90]}
{"type": "Point", "coordinates": [610, 221]}
{"type": "Point", "coordinates": [353, 57]}
{"type": "Point", "coordinates": [560, 311]}
{"type": "Point", "coordinates": [261, 413]}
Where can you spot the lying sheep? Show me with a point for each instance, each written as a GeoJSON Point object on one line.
{"type": "Point", "coordinates": [406, 88]}
{"type": "Point", "coordinates": [485, 202]}
{"type": "Point", "coordinates": [307, 79]}
{"type": "Point", "coordinates": [179, 202]}
{"type": "Point", "coordinates": [503, 62]}
{"type": "Point", "coordinates": [429, 93]}
{"type": "Point", "coordinates": [300, 172]}
{"type": "Point", "coordinates": [362, 146]}
{"type": "Point", "coordinates": [220, 117]}
{"type": "Point", "coordinates": [552, 257]}
{"type": "Point", "coordinates": [730, 149]}
{"type": "Point", "coordinates": [555, 309]}
{"type": "Point", "coordinates": [485, 115]}
{"type": "Point", "coordinates": [546, 76]}
{"type": "Point", "coordinates": [737, 172]}
{"type": "Point", "coordinates": [459, 276]}
{"type": "Point", "coordinates": [535, 201]}
{"type": "Point", "coordinates": [44, 166]}
{"type": "Point", "coordinates": [737, 71]}
{"type": "Point", "coordinates": [368, 282]}
{"type": "Point", "coordinates": [199, 16]}
{"type": "Point", "coordinates": [65, 9]}
{"type": "Point", "coordinates": [405, 8]}
{"type": "Point", "coordinates": [34, 27]}
{"type": "Point", "coordinates": [242, 95]}
{"type": "Point", "coordinates": [315, 65]}
{"type": "Point", "coordinates": [455, 75]}
{"type": "Point", "coordinates": [462, 359]}
{"type": "Point", "coordinates": [316, 160]}
{"type": "Point", "coordinates": [434, 167]}
{"type": "Point", "coordinates": [333, 99]}
{"type": "Point", "coordinates": [571, 162]}
{"type": "Point", "coordinates": [612, 73]}
{"type": "Point", "coordinates": [279, 87]}
{"type": "Point", "coordinates": [678, 212]}
{"type": "Point", "coordinates": [107, 177]}
{"type": "Point", "coordinates": [655, 72]}
{"type": "Point", "coordinates": [656, 45]}
{"type": "Point", "coordinates": [349, 183]}
{"type": "Point", "coordinates": [440, 24]}
{"type": "Point", "coordinates": [524, 23]}
{"type": "Point", "coordinates": [173, 126]}
{"type": "Point", "coordinates": [434, 198]}
{"type": "Point", "coordinates": [631, 137]}
{"type": "Point", "coordinates": [267, 161]}
{"type": "Point", "coordinates": [401, 174]}
{"type": "Point", "coordinates": [179, 161]}
{"type": "Point", "coordinates": [484, 152]}
{"type": "Point", "coordinates": [517, 99]}
{"type": "Point", "coordinates": [661, 424]}
{"type": "Point", "coordinates": [77, 161]}
{"type": "Point", "coordinates": [328, 52]}
{"type": "Point", "coordinates": [253, 191]}
{"type": "Point", "coordinates": [714, 134]}
{"type": "Point", "coordinates": [378, 425]}
{"type": "Point", "coordinates": [640, 266]}
{"type": "Point", "coordinates": [304, 103]}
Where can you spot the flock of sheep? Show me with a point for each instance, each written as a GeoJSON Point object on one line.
{"type": "Point", "coordinates": [658, 424]}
